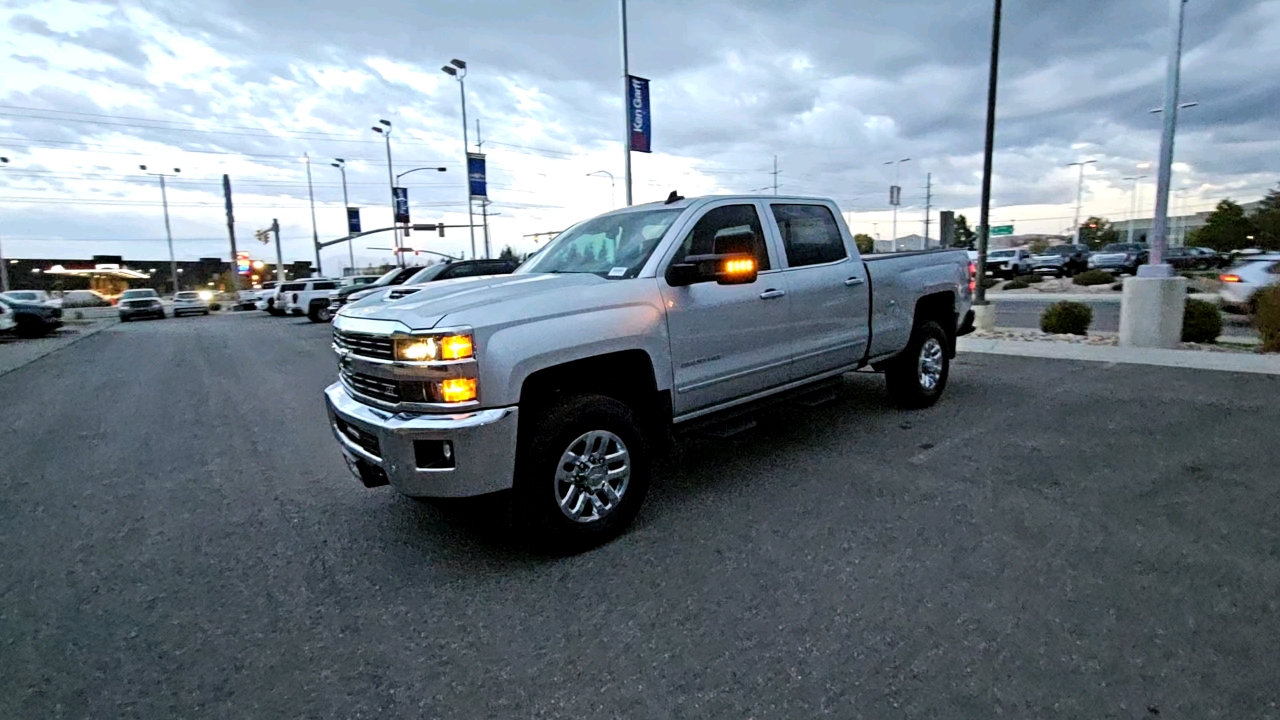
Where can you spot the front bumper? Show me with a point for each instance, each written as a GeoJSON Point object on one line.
{"type": "Point", "coordinates": [378, 443]}
{"type": "Point", "coordinates": [149, 311]}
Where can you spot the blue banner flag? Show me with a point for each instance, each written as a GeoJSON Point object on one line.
{"type": "Point", "coordinates": [402, 205]}
{"type": "Point", "coordinates": [353, 220]}
{"type": "Point", "coordinates": [475, 175]}
{"type": "Point", "coordinates": [638, 110]}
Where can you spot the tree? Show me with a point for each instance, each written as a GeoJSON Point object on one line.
{"type": "Point", "coordinates": [508, 253]}
{"type": "Point", "coordinates": [866, 244]}
{"type": "Point", "coordinates": [965, 236]}
{"type": "Point", "coordinates": [1037, 246]}
{"type": "Point", "coordinates": [1226, 229]}
{"type": "Point", "coordinates": [1266, 221]}
{"type": "Point", "coordinates": [1096, 232]}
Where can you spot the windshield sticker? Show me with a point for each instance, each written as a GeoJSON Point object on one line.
{"type": "Point", "coordinates": [617, 272]}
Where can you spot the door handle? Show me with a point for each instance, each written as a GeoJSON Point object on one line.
{"type": "Point", "coordinates": [854, 281]}
{"type": "Point", "coordinates": [771, 294]}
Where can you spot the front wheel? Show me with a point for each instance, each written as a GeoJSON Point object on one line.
{"type": "Point", "coordinates": [917, 377]}
{"type": "Point", "coordinates": [582, 475]}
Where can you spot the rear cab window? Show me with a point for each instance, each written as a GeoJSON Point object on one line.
{"type": "Point", "coordinates": [810, 234]}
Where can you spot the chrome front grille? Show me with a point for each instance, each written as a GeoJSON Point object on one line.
{"type": "Point", "coordinates": [375, 387]}
{"type": "Point", "coordinates": [377, 347]}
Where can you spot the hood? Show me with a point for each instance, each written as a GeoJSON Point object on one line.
{"type": "Point", "coordinates": [431, 302]}
{"type": "Point", "coordinates": [1049, 259]}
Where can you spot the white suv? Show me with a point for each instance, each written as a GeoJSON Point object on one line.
{"type": "Point", "coordinates": [308, 297]}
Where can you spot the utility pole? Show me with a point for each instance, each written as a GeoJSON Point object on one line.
{"type": "Point", "coordinates": [231, 232]}
{"type": "Point", "coordinates": [626, 107]}
{"type": "Point", "coordinates": [1079, 195]}
{"type": "Point", "coordinates": [315, 235]}
{"type": "Point", "coordinates": [984, 229]}
{"type": "Point", "coordinates": [775, 174]}
{"type": "Point", "coordinates": [4, 266]}
{"type": "Point", "coordinates": [1164, 175]}
{"type": "Point", "coordinates": [164, 199]}
{"type": "Point", "coordinates": [275, 228]}
{"type": "Point", "coordinates": [928, 206]}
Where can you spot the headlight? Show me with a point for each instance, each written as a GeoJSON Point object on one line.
{"type": "Point", "coordinates": [206, 295]}
{"type": "Point", "coordinates": [432, 347]}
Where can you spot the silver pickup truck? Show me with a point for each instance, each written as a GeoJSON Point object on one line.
{"type": "Point", "coordinates": [561, 382]}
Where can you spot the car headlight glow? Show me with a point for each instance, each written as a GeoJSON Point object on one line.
{"type": "Point", "coordinates": [205, 295]}
{"type": "Point", "coordinates": [432, 348]}
{"type": "Point", "coordinates": [457, 390]}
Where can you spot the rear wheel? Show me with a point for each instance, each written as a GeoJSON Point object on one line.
{"type": "Point", "coordinates": [320, 314]}
{"type": "Point", "coordinates": [917, 377]}
{"type": "Point", "coordinates": [582, 475]}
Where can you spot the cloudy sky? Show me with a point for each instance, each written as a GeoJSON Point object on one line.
{"type": "Point", "coordinates": [833, 89]}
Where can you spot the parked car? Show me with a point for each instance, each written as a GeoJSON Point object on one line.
{"type": "Point", "coordinates": [140, 303]}
{"type": "Point", "coordinates": [7, 323]}
{"type": "Point", "coordinates": [308, 297]}
{"type": "Point", "coordinates": [267, 298]}
{"type": "Point", "coordinates": [1120, 258]}
{"type": "Point", "coordinates": [451, 271]}
{"type": "Point", "coordinates": [562, 381]}
{"type": "Point", "coordinates": [1194, 258]}
{"type": "Point", "coordinates": [1061, 260]}
{"type": "Point", "coordinates": [189, 302]}
{"type": "Point", "coordinates": [1243, 281]}
{"type": "Point", "coordinates": [348, 293]}
{"type": "Point", "coordinates": [33, 319]}
{"type": "Point", "coordinates": [84, 299]}
{"type": "Point", "coordinates": [1008, 263]}
{"type": "Point", "coordinates": [33, 296]}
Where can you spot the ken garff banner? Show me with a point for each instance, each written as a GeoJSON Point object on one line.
{"type": "Point", "coordinates": [353, 220]}
{"type": "Point", "coordinates": [402, 204]}
{"type": "Point", "coordinates": [638, 111]}
{"type": "Point", "coordinates": [475, 175]}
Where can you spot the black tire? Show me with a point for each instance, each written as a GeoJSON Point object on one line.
{"type": "Point", "coordinates": [319, 314]}
{"type": "Point", "coordinates": [550, 434]}
{"type": "Point", "coordinates": [30, 328]}
{"type": "Point", "coordinates": [124, 318]}
{"type": "Point", "coordinates": [904, 375]}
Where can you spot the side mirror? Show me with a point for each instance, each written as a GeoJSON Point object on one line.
{"type": "Point", "coordinates": [727, 269]}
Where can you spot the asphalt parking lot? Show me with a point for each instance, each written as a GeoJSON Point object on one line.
{"type": "Point", "coordinates": [179, 538]}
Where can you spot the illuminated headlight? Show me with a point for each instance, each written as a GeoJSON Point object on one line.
{"type": "Point", "coordinates": [432, 348]}
{"type": "Point", "coordinates": [457, 390]}
{"type": "Point", "coordinates": [205, 295]}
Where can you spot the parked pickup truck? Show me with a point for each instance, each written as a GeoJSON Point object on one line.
{"type": "Point", "coordinates": [562, 381]}
{"type": "Point", "coordinates": [308, 297]}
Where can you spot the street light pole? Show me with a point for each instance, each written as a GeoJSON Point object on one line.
{"type": "Point", "coordinates": [346, 209]}
{"type": "Point", "coordinates": [1133, 207]}
{"type": "Point", "coordinates": [1079, 196]}
{"type": "Point", "coordinates": [458, 69]}
{"type": "Point", "coordinates": [164, 199]}
{"type": "Point", "coordinates": [315, 235]}
{"type": "Point", "coordinates": [1164, 174]}
{"type": "Point", "coordinates": [984, 230]}
{"type": "Point", "coordinates": [897, 199]}
{"type": "Point", "coordinates": [385, 132]}
{"type": "Point", "coordinates": [4, 265]}
{"type": "Point", "coordinates": [626, 106]}
{"type": "Point", "coordinates": [613, 202]}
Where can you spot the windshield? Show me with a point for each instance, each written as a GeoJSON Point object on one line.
{"type": "Point", "coordinates": [1001, 254]}
{"type": "Point", "coordinates": [1059, 250]}
{"type": "Point", "coordinates": [186, 295]}
{"type": "Point", "coordinates": [135, 294]}
{"type": "Point", "coordinates": [1120, 247]}
{"type": "Point", "coordinates": [612, 246]}
{"type": "Point", "coordinates": [22, 295]}
{"type": "Point", "coordinates": [426, 274]}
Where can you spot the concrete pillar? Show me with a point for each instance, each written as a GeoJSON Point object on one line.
{"type": "Point", "coordinates": [1151, 311]}
{"type": "Point", "coordinates": [984, 317]}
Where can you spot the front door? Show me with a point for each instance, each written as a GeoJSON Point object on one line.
{"type": "Point", "coordinates": [727, 341]}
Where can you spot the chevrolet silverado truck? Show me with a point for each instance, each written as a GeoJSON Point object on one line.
{"type": "Point", "coordinates": [562, 381]}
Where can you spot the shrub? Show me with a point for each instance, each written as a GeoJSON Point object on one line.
{"type": "Point", "coordinates": [989, 283]}
{"type": "Point", "coordinates": [1018, 283]}
{"type": "Point", "coordinates": [1033, 278]}
{"type": "Point", "coordinates": [1266, 317]}
{"type": "Point", "coordinates": [1094, 277]}
{"type": "Point", "coordinates": [1201, 323]}
{"type": "Point", "coordinates": [1067, 318]}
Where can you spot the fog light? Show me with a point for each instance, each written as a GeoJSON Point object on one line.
{"type": "Point", "coordinates": [458, 390]}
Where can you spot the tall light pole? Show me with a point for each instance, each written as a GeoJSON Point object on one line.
{"type": "Point", "coordinates": [164, 199]}
{"type": "Point", "coordinates": [1133, 206]}
{"type": "Point", "coordinates": [346, 205]}
{"type": "Point", "coordinates": [1079, 196]}
{"type": "Point", "coordinates": [385, 132]}
{"type": "Point", "coordinates": [626, 106]}
{"type": "Point", "coordinates": [458, 70]}
{"type": "Point", "coordinates": [4, 266]}
{"type": "Point", "coordinates": [1156, 267]}
{"type": "Point", "coordinates": [896, 195]}
{"type": "Point", "coordinates": [987, 316]}
{"type": "Point", "coordinates": [315, 234]}
{"type": "Point", "coordinates": [613, 202]}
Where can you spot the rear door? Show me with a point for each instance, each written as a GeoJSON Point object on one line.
{"type": "Point", "coordinates": [829, 290]}
{"type": "Point", "coordinates": [727, 341]}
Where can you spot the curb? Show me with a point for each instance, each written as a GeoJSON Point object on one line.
{"type": "Point", "coordinates": [86, 333]}
{"type": "Point", "coordinates": [1082, 297]}
{"type": "Point", "coordinates": [1187, 359]}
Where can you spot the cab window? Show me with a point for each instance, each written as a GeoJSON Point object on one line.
{"type": "Point", "coordinates": [810, 234]}
{"type": "Point", "coordinates": [727, 229]}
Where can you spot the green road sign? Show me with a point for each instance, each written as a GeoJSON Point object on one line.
{"type": "Point", "coordinates": [1001, 230]}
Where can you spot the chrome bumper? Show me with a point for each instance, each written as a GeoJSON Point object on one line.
{"type": "Point", "coordinates": [483, 446]}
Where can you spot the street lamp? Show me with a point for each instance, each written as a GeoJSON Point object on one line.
{"type": "Point", "coordinates": [341, 164]}
{"type": "Point", "coordinates": [1133, 208]}
{"type": "Point", "coordinates": [895, 195]}
{"type": "Point", "coordinates": [4, 266]}
{"type": "Point", "coordinates": [385, 132]}
{"type": "Point", "coordinates": [164, 199]}
{"type": "Point", "coordinates": [311, 195]}
{"type": "Point", "coordinates": [457, 69]}
{"type": "Point", "coordinates": [600, 173]}
{"type": "Point", "coordinates": [406, 172]}
{"type": "Point", "coordinates": [1079, 195]}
